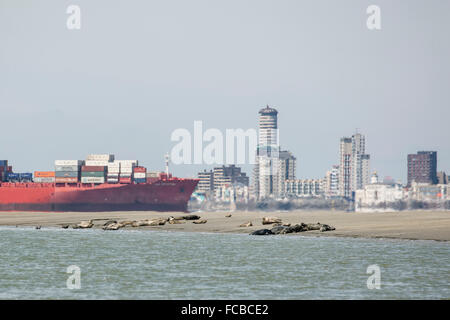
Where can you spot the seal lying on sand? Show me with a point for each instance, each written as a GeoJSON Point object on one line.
{"type": "Point", "coordinates": [172, 220]}
{"type": "Point", "coordinates": [83, 225]}
{"type": "Point", "coordinates": [270, 220]}
{"type": "Point", "coordinates": [261, 232]}
{"type": "Point", "coordinates": [200, 221]}
{"type": "Point", "coordinates": [188, 217]}
{"type": "Point", "coordinates": [247, 224]}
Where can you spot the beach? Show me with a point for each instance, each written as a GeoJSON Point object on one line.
{"type": "Point", "coordinates": [416, 225]}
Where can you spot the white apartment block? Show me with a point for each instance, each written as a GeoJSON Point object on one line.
{"type": "Point", "coordinates": [331, 188]}
{"type": "Point", "coordinates": [304, 187]}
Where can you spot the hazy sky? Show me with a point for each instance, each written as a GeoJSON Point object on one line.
{"type": "Point", "coordinates": [137, 70]}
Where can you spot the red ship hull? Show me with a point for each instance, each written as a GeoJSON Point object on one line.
{"type": "Point", "coordinates": [161, 195]}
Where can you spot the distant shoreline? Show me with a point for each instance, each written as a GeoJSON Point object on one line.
{"type": "Point", "coordinates": [411, 225]}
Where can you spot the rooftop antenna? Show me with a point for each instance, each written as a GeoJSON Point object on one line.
{"type": "Point", "coordinates": [167, 159]}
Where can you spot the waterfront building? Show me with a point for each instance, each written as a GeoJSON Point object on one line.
{"type": "Point", "coordinates": [304, 187]}
{"type": "Point", "coordinates": [331, 188]}
{"type": "Point", "coordinates": [354, 165]}
{"type": "Point", "coordinates": [206, 181]}
{"type": "Point", "coordinates": [221, 178]}
{"type": "Point", "coordinates": [422, 167]}
{"type": "Point", "coordinates": [378, 196]}
{"type": "Point", "coordinates": [273, 166]}
{"type": "Point", "coordinates": [442, 178]}
{"type": "Point", "coordinates": [286, 170]}
{"type": "Point", "coordinates": [265, 173]}
{"type": "Point", "coordinates": [429, 192]}
{"type": "Point", "coordinates": [227, 175]}
{"type": "Point", "coordinates": [345, 155]}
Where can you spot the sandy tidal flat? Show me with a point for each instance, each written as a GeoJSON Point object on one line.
{"type": "Point", "coordinates": [425, 225]}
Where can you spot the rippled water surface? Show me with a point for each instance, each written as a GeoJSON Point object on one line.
{"type": "Point", "coordinates": [176, 265]}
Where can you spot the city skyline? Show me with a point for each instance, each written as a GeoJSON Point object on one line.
{"type": "Point", "coordinates": [326, 82]}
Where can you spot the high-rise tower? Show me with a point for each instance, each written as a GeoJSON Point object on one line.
{"type": "Point", "coordinates": [265, 177]}
{"type": "Point", "coordinates": [354, 165]}
{"type": "Point", "coordinates": [345, 155]}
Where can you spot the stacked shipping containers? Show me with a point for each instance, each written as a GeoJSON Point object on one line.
{"type": "Point", "coordinates": [67, 171]}
{"type": "Point", "coordinates": [25, 177]}
{"type": "Point", "coordinates": [93, 174]}
{"type": "Point", "coordinates": [7, 174]}
{"type": "Point", "coordinates": [44, 176]}
{"type": "Point", "coordinates": [96, 168]}
{"type": "Point", "coordinates": [126, 170]}
{"type": "Point", "coordinates": [152, 176]}
{"type": "Point", "coordinates": [3, 170]}
{"type": "Point", "coordinates": [140, 175]}
{"type": "Point", "coordinates": [113, 172]}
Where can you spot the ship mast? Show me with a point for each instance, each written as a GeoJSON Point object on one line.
{"type": "Point", "coordinates": [167, 158]}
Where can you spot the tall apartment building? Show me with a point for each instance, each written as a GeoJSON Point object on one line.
{"type": "Point", "coordinates": [206, 181]}
{"type": "Point", "coordinates": [345, 154]}
{"type": "Point", "coordinates": [354, 165]}
{"type": "Point", "coordinates": [360, 163]}
{"type": "Point", "coordinates": [422, 167]}
{"type": "Point", "coordinates": [331, 188]}
{"type": "Point", "coordinates": [286, 169]}
{"type": "Point", "coordinates": [272, 166]}
{"type": "Point", "coordinates": [265, 177]}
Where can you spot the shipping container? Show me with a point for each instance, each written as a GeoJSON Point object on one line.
{"type": "Point", "coordinates": [125, 175]}
{"type": "Point", "coordinates": [140, 169]}
{"type": "Point", "coordinates": [67, 168]}
{"type": "Point", "coordinates": [96, 163]}
{"type": "Point", "coordinates": [92, 179]}
{"type": "Point", "coordinates": [4, 163]}
{"type": "Point", "coordinates": [93, 168]}
{"type": "Point", "coordinates": [144, 180]}
{"type": "Point", "coordinates": [44, 174]}
{"type": "Point", "coordinates": [124, 180]}
{"type": "Point", "coordinates": [134, 162]}
{"type": "Point", "coordinates": [44, 179]}
{"type": "Point", "coordinates": [69, 162]}
{"type": "Point", "coordinates": [12, 176]}
{"type": "Point", "coordinates": [153, 174]}
{"type": "Point", "coordinates": [100, 157]}
{"type": "Point", "coordinates": [67, 174]}
{"type": "Point", "coordinates": [25, 176]}
{"type": "Point", "coordinates": [9, 169]}
{"type": "Point", "coordinates": [97, 174]}
{"type": "Point", "coordinates": [66, 180]}
{"type": "Point", "coordinates": [139, 175]}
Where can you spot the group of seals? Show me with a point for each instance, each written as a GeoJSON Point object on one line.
{"type": "Point", "coordinates": [115, 225]}
{"type": "Point", "coordinates": [284, 229]}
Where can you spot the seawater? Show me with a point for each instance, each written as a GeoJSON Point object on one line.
{"type": "Point", "coordinates": [142, 264]}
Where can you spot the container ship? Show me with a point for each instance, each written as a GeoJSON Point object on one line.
{"type": "Point", "coordinates": [99, 183]}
